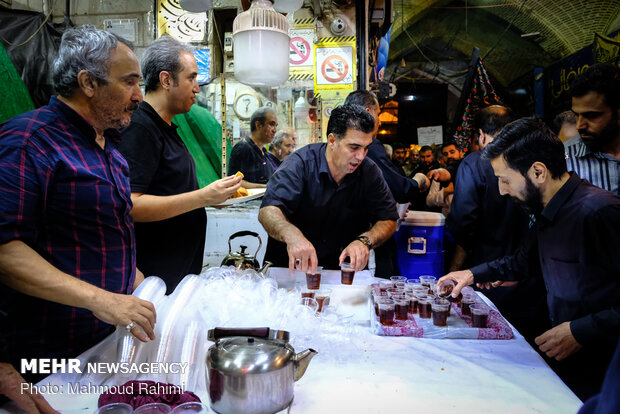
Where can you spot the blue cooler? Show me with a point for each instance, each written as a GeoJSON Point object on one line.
{"type": "Point", "coordinates": [419, 244]}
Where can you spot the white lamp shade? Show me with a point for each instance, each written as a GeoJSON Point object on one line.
{"type": "Point", "coordinates": [261, 46]}
{"type": "Point", "coordinates": [195, 6]}
{"type": "Point", "coordinates": [287, 6]}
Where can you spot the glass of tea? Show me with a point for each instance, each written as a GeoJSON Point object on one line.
{"type": "Point", "coordinates": [346, 274]}
{"type": "Point", "coordinates": [313, 280]}
{"type": "Point", "coordinates": [440, 309]}
{"type": "Point", "coordinates": [386, 312]}
{"type": "Point", "coordinates": [479, 316]}
{"type": "Point", "coordinates": [322, 297]}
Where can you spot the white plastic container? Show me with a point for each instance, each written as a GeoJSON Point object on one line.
{"type": "Point", "coordinates": [261, 46]}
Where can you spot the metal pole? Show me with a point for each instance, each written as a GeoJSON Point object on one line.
{"type": "Point", "coordinates": [67, 13]}
{"type": "Point", "coordinates": [362, 50]}
{"type": "Point", "coordinates": [224, 141]}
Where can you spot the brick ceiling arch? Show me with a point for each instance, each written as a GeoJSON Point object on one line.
{"type": "Point", "coordinates": [441, 34]}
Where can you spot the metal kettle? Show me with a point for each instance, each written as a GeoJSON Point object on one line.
{"type": "Point", "coordinates": [253, 370]}
{"type": "Point", "coordinates": [241, 260]}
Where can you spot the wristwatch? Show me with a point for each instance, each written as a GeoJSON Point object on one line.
{"type": "Point", "coordinates": [366, 240]}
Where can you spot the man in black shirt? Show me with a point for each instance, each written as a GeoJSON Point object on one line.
{"type": "Point", "coordinates": [488, 226]}
{"type": "Point", "coordinates": [404, 189]}
{"type": "Point", "coordinates": [576, 246]}
{"type": "Point", "coordinates": [249, 155]}
{"type": "Point", "coordinates": [327, 202]}
{"type": "Point", "coordinates": [167, 203]}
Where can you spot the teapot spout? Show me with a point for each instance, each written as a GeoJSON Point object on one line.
{"type": "Point", "coordinates": [302, 360]}
{"type": "Point", "coordinates": [266, 266]}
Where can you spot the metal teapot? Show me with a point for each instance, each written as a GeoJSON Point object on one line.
{"type": "Point", "coordinates": [241, 260]}
{"type": "Point", "coordinates": [253, 370]}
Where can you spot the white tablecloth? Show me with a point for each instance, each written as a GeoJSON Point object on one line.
{"type": "Point", "coordinates": [402, 374]}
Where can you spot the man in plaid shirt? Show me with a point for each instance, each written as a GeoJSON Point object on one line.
{"type": "Point", "coordinates": [67, 250]}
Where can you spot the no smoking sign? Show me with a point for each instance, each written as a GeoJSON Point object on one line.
{"type": "Point", "coordinates": [301, 48]}
{"type": "Point", "coordinates": [334, 66]}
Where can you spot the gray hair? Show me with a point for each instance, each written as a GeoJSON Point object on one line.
{"type": "Point", "coordinates": [260, 115]}
{"type": "Point", "coordinates": [279, 138]}
{"type": "Point", "coordinates": [163, 54]}
{"type": "Point", "coordinates": [83, 48]}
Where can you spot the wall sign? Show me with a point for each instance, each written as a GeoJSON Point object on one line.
{"type": "Point", "coordinates": [180, 24]}
{"type": "Point", "coordinates": [125, 28]}
{"type": "Point", "coordinates": [301, 51]}
{"type": "Point", "coordinates": [335, 64]}
{"type": "Point", "coordinates": [430, 135]}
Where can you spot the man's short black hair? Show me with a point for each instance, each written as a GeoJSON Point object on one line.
{"type": "Point", "coordinates": [398, 145]}
{"type": "Point", "coordinates": [492, 119]}
{"type": "Point", "coordinates": [603, 78]}
{"type": "Point", "coordinates": [347, 117]}
{"type": "Point", "coordinates": [362, 97]}
{"type": "Point", "coordinates": [425, 148]}
{"type": "Point", "coordinates": [566, 117]}
{"type": "Point", "coordinates": [450, 143]}
{"type": "Point", "coordinates": [526, 141]}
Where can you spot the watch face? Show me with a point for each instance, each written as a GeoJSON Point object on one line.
{"type": "Point", "coordinates": [245, 105]}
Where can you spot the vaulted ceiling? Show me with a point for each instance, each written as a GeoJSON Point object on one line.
{"type": "Point", "coordinates": [440, 35]}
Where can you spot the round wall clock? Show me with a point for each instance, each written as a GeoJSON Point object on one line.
{"type": "Point", "coordinates": [246, 103]}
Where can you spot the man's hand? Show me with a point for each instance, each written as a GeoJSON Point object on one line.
{"type": "Point", "coordinates": [122, 310]}
{"type": "Point", "coordinates": [497, 283]}
{"type": "Point", "coordinates": [221, 190]}
{"type": "Point", "coordinates": [358, 255]}
{"type": "Point", "coordinates": [462, 278]}
{"type": "Point", "coordinates": [558, 342]}
{"type": "Point", "coordinates": [301, 255]}
{"type": "Point", "coordinates": [439, 174]}
{"type": "Point", "coordinates": [11, 386]}
{"type": "Point", "coordinates": [423, 182]}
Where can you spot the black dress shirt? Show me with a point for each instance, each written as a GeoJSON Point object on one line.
{"type": "Point", "coordinates": [578, 234]}
{"type": "Point", "coordinates": [403, 189]}
{"type": "Point", "coordinates": [329, 215]}
{"type": "Point", "coordinates": [251, 161]}
{"type": "Point", "coordinates": [486, 224]}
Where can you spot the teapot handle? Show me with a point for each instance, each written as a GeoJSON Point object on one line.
{"type": "Point", "coordinates": [218, 333]}
{"type": "Point", "coordinates": [245, 233]}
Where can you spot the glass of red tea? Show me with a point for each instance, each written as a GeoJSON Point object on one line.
{"type": "Point", "coordinates": [347, 273]}
{"type": "Point", "coordinates": [313, 280]}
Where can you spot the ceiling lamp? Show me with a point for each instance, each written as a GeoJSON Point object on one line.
{"type": "Point", "coordinates": [195, 6]}
{"type": "Point", "coordinates": [261, 45]}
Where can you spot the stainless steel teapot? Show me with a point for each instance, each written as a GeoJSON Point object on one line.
{"type": "Point", "coordinates": [253, 370]}
{"type": "Point", "coordinates": [241, 260]}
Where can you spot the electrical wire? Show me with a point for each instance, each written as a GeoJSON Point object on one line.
{"type": "Point", "coordinates": [35, 32]}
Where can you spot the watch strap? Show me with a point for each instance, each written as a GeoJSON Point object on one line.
{"type": "Point", "coordinates": [366, 240]}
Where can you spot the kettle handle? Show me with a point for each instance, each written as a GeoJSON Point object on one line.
{"type": "Point", "coordinates": [218, 333]}
{"type": "Point", "coordinates": [245, 233]}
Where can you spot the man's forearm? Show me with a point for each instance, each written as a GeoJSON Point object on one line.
{"type": "Point", "coordinates": [381, 231]}
{"type": "Point", "coordinates": [277, 225]}
{"type": "Point", "coordinates": [24, 270]}
{"type": "Point", "coordinates": [247, 184]}
{"type": "Point", "coordinates": [147, 208]}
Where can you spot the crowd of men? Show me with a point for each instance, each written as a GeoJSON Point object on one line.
{"type": "Point", "coordinates": [88, 210]}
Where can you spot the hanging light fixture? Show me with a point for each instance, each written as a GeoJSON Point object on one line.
{"type": "Point", "coordinates": [261, 45]}
{"type": "Point", "coordinates": [288, 6]}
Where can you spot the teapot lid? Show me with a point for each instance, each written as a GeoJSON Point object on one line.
{"type": "Point", "coordinates": [242, 355]}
